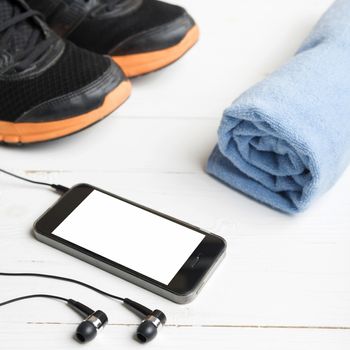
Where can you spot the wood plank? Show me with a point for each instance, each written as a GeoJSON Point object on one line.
{"type": "Point", "coordinates": [284, 283]}
{"type": "Point", "coordinates": [59, 337]}
{"type": "Point", "coordinates": [241, 42]}
{"type": "Point", "coordinates": [122, 144]}
{"type": "Point", "coordinates": [279, 270]}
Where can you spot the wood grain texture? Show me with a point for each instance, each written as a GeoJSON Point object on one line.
{"type": "Point", "coordinates": [285, 282]}
{"type": "Point", "coordinates": [174, 338]}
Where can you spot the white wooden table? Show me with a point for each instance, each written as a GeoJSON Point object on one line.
{"type": "Point", "coordinates": [285, 283]}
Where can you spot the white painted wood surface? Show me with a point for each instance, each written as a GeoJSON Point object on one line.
{"type": "Point", "coordinates": [285, 283]}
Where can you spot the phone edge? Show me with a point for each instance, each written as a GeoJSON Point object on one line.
{"type": "Point", "coordinates": [177, 298]}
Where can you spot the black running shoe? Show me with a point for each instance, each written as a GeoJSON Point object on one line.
{"type": "Point", "coordinates": [141, 35]}
{"type": "Point", "coordinates": [50, 88]}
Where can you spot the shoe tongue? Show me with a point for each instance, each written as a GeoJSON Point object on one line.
{"type": "Point", "coordinates": [23, 30]}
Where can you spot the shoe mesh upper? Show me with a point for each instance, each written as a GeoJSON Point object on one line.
{"type": "Point", "coordinates": [103, 34]}
{"type": "Point", "coordinates": [74, 69]}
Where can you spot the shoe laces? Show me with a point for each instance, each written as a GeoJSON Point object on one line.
{"type": "Point", "coordinates": [35, 47]}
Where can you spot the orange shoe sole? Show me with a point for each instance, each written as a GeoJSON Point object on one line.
{"type": "Point", "coordinates": [22, 133]}
{"type": "Point", "coordinates": [143, 63]}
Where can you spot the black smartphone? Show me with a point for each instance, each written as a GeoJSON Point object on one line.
{"type": "Point", "coordinates": [155, 251]}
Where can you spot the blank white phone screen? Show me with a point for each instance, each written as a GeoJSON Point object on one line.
{"type": "Point", "coordinates": [133, 237]}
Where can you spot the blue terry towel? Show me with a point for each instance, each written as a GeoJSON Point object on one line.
{"type": "Point", "coordinates": [287, 140]}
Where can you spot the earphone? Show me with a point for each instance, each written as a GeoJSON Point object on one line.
{"type": "Point", "coordinates": [94, 321]}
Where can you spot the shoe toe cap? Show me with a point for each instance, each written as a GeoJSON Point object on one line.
{"type": "Point", "coordinates": [81, 101]}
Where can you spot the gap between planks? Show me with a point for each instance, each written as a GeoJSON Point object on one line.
{"type": "Point", "coordinates": [210, 326]}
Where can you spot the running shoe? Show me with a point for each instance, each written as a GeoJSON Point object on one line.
{"type": "Point", "coordinates": [142, 36]}
{"type": "Point", "coordinates": [49, 88]}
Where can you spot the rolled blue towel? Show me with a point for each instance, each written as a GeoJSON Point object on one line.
{"type": "Point", "coordinates": [287, 139]}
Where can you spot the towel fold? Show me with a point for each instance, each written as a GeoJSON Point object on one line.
{"type": "Point", "coordinates": [287, 140]}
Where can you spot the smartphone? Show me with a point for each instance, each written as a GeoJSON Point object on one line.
{"type": "Point", "coordinates": [155, 251]}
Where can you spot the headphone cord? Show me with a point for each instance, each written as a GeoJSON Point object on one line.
{"type": "Point", "coordinates": [61, 189]}
{"type": "Point", "coordinates": [58, 188]}
{"type": "Point", "coordinates": [65, 279]}
{"type": "Point", "coordinates": [33, 296]}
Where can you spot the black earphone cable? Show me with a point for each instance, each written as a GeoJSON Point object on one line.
{"type": "Point", "coordinates": [62, 189]}
{"type": "Point", "coordinates": [58, 188]}
{"type": "Point", "coordinates": [32, 296]}
{"type": "Point", "coordinates": [65, 279]}
{"type": "Point", "coordinates": [147, 329]}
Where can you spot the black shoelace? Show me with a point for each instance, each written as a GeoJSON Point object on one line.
{"type": "Point", "coordinates": [35, 47]}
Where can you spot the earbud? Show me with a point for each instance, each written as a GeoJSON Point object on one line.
{"type": "Point", "coordinates": [148, 328]}
{"type": "Point", "coordinates": [87, 330]}
{"type": "Point", "coordinates": [94, 321]}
